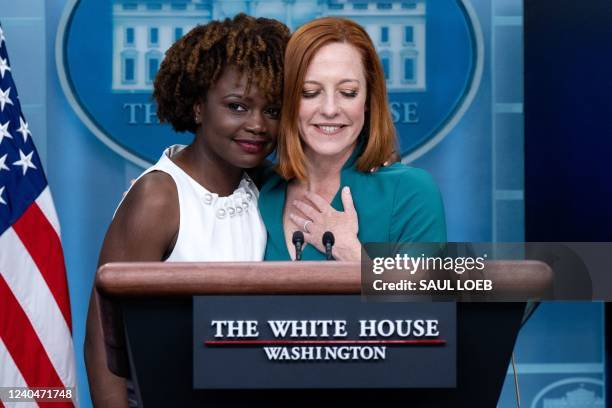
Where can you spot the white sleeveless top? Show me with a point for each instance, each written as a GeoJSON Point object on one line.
{"type": "Point", "coordinates": [213, 228]}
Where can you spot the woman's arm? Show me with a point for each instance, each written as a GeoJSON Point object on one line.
{"type": "Point", "coordinates": [143, 229]}
{"type": "Point", "coordinates": [106, 389]}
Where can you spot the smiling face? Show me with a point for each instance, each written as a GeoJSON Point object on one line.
{"type": "Point", "coordinates": [237, 127]}
{"type": "Point", "coordinates": [333, 103]}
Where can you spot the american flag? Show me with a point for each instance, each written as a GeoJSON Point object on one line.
{"type": "Point", "coordinates": [35, 322]}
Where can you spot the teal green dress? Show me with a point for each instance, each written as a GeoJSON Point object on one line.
{"type": "Point", "coordinates": [395, 204]}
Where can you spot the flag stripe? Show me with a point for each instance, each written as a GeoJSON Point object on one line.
{"type": "Point", "coordinates": [10, 376]}
{"type": "Point", "coordinates": [45, 203]}
{"type": "Point", "coordinates": [45, 248]}
{"type": "Point", "coordinates": [25, 348]}
{"type": "Point", "coordinates": [36, 300]}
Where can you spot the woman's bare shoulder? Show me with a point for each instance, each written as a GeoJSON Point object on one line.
{"type": "Point", "coordinates": [146, 223]}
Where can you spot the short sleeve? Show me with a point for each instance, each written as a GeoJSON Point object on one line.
{"type": "Point", "coordinates": [418, 210]}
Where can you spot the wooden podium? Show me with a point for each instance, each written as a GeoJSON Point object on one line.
{"type": "Point", "coordinates": [140, 301]}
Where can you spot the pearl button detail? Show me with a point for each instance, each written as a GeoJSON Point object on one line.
{"type": "Point", "coordinates": [234, 205]}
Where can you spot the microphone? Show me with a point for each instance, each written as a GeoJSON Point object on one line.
{"type": "Point", "coordinates": [298, 241]}
{"type": "Point", "coordinates": [328, 242]}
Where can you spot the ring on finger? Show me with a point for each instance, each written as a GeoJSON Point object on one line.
{"type": "Point", "coordinates": [306, 225]}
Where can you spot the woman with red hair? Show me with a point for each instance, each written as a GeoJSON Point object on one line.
{"type": "Point", "coordinates": [335, 126]}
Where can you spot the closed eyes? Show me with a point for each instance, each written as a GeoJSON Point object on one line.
{"type": "Point", "coordinates": [347, 93]}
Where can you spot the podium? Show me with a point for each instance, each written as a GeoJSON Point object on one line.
{"type": "Point", "coordinates": [147, 313]}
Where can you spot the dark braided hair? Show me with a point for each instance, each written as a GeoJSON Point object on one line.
{"type": "Point", "coordinates": [255, 46]}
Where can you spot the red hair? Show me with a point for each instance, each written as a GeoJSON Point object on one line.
{"type": "Point", "coordinates": [378, 128]}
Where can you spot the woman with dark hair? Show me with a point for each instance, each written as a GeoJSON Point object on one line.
{"type": "Point", "coordinates": [335, 126]}
{"type": "Point", "coordinates": [222, 82]}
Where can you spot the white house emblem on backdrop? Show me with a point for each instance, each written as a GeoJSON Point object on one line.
{"type": "Point", "coordinates": [575, 392]}
{"type": "Point", "coordinates": [431, 52]}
